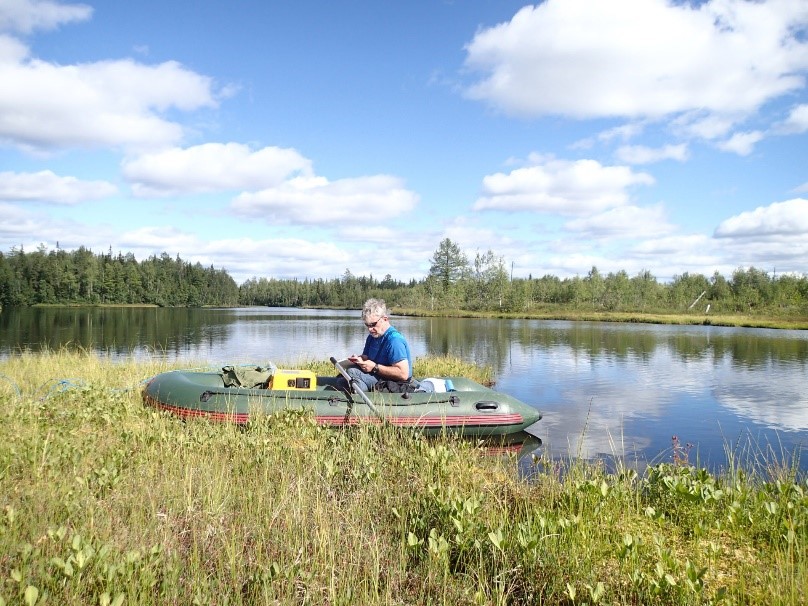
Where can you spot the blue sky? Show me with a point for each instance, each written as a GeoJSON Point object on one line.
{"type": "Point", "coordinates": [301, 139]}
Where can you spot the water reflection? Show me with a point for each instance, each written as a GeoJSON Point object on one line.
{"type": "Point", "coordinates": [604, 389]}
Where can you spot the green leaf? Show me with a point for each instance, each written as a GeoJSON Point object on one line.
{"type": "Point", "coordinates": [496, 538]}
{"type": "Point", "coordinates": [31, 595]}
{"type": "Point", "coordinates": [571, 592]}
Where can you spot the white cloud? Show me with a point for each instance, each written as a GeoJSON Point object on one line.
{"type": "Point", "coordinates": [640, 154]}
{"type": "Point", "coordinates": [30, 227]}
{"type": "Point", "coordinates": [624, 132]}
{"type": "Point", "coordinates": [313, 200]}
{"type": "Point", "coordinates": [280, 257]}
{"type": "Point", "coordinates": [670, 255]}
{"type": "Point", "coordinates": [107, 103]}
{"type": "Point", "coordinates": [213, 167]}
{"type": "Point", "coordinates": [741, 143]}
{"type": "Point", "coordinates": [242, 257]}
{"type": "Point", "coordinates": [674, 245]}
{"type": "Point", "coordinates": [797, 121]}
{"type": "Point", "coordinates": [16, 223]}
{"type": "Point", "coordinates": [25, 16]}
{"type": "Point", "coordinates": [641, 58]}
{"type": "Point", "coordinates": [11, 50]}
{"type": "Point", "coordinates": [774, 236]}
{"type": "Point", "coordinates": [778, 219]}
{"type": "Point", "coordinates": [703, 125]}
{"type": "Point", "coordinates": [45, 186]}
{"type": "Point", "coordinates": [560, 186]}
{"type": "Point", "coordinates": [624, 222]}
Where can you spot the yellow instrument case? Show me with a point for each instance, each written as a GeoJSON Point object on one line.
{"type": "Point", "coordinates": [293, 379]}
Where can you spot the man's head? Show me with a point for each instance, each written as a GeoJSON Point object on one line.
{"type": "Point", "coordinates": [374, 315]}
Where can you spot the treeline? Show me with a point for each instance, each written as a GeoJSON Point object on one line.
{"type": "Point", "coordinates": [454, 282]}
{"type": "Point", "coordinates": [82, 277]}
{"type": "Point", "coordinates": [747, 291]}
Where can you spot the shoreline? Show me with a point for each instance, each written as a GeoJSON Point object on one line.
{"type": "Point", "coordinates": [627, 317]}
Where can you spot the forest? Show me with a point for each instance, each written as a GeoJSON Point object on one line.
{"type": "Point", "coordinates": [82, 277]}
{"type": "Point", "coordinates": [454, 282]}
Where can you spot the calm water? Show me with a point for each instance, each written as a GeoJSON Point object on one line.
{"type": "Point", "coordinates": [604, 389]}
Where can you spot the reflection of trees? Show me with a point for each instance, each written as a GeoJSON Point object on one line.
{"type": "Point", "coordinates": [484, 341]}
{"type": "Point", "coordinates": [753, 350]}
{"type": "Point", "coordinates": [117, 330]}
{"type": "Point", "coordinates": [487, 341]}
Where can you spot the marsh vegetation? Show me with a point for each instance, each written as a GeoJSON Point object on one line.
{"type": "Point", "coordinates": [105, 501]}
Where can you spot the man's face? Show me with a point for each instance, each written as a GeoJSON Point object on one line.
{"type": "Point", "coordinates": [377, 325]}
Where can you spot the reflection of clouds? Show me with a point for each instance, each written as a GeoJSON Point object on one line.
{"type": "Point", "coordinates": [599, 402]}
{"type": "Point", "coordinates": [781, 403]}
{"type": "Point", "coordinates": [587, 435]}
{"type": "Point", "coordinates": [599, 397]}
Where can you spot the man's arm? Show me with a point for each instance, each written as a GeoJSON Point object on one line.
{"type": "Point", "coordinates": [400, 371]}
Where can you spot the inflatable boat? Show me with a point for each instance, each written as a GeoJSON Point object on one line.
{"type": "Point", "coordinates": [236, 395]}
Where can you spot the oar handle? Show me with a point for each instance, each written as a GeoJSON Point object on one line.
{"type": "Point", "coordinates": [355, 385]}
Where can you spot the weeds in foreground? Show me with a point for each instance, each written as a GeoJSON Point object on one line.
{"type": "Point", "coordinates": [105, 501]}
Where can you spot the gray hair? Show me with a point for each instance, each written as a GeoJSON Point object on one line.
{"type": "Point", "coordinates": [374, 307]}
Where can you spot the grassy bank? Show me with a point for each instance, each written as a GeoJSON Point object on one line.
{"type": "Point", "coordinates": [635, 317]}
{"type": "Point", "coordinates": [103, 501]}
{"type": "Point", "coordinates": [784, 322]}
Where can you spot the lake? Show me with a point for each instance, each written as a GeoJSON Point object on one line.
{"type": "Point", "coordinates": [606, 390]}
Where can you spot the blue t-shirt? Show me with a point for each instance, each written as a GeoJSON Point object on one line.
{"type": "Point", "coordinates": [388, 349]}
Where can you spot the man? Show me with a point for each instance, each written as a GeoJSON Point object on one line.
{"type": "Point", "coordinates": [386, 356]}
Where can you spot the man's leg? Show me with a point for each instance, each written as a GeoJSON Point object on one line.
{"type": "Point", "coordinates": [364, 381]}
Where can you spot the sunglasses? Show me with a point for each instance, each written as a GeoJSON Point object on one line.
{"type": "Point", "coordinates": [373, 324]}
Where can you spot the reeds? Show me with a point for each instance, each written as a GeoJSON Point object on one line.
{"type": "Point", "coordinates": [105, 501]}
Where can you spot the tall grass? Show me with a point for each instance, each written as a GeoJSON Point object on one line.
{"type": "Point", "coordinates": [105, 501]}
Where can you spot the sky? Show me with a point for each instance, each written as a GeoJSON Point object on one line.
{"type": "Point", "coordinates": [304, 139]}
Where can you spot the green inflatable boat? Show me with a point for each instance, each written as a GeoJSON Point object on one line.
{"type": "Point", "coordinates": [235, 394]}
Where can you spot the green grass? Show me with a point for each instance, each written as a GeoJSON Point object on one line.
{"type": "Point", "coordinates": [760, 320]}
{"type": "Point", "coordinates": [105, 501]}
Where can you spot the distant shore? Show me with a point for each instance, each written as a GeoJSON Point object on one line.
{"type": "Point", "coordinates": [732, 320]}
{"type": "Point", "coordinates": [629, 317]}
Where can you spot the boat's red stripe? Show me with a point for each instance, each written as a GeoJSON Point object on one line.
{"type": "Point", "coordinates": [336, 420]}
{"type": "Point", "coordinates": [436, 421]}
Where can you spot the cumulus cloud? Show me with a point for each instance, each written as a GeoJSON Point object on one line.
{"type": "Point", "coordinates": [639, 58]}
{"type": "Point", "coordinates": [779, 219]}
{"type": "Point", "coordinates": [16, 222]}
{"type": "Point", "coordinates": [29, 226]}
{"type": "Point", "coordinates": [624, 221]}
{"type": "Point", "coordinates": [560, 186]}
{"type": "Point", "coordinates": [108, 103]}
{"type": "Point", "coordinates": [640, 154]}
{"type": "Point", "coordinates": [741, 143]}
{"type": "Point", "coordinates": [213, 167]}
{"type": "Point", "coordinates": [706, 67]}
{"type": "Point", "coordinates": [768, 236]}
{"type": "Point", "coordinates": [313, 200]}
{"type": "Point", "coordinates": [46, 186]}
{"type": "Point", "coordinates": [242, 257]}
{"type": "Point", "coordinates": [673, 245]}
{"type": "Point", "coordinates": [25, 16]}
{"type": "Point", "coordinates": [674, 254]}
{"type": "Point", "coordinates": [797, 121]}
